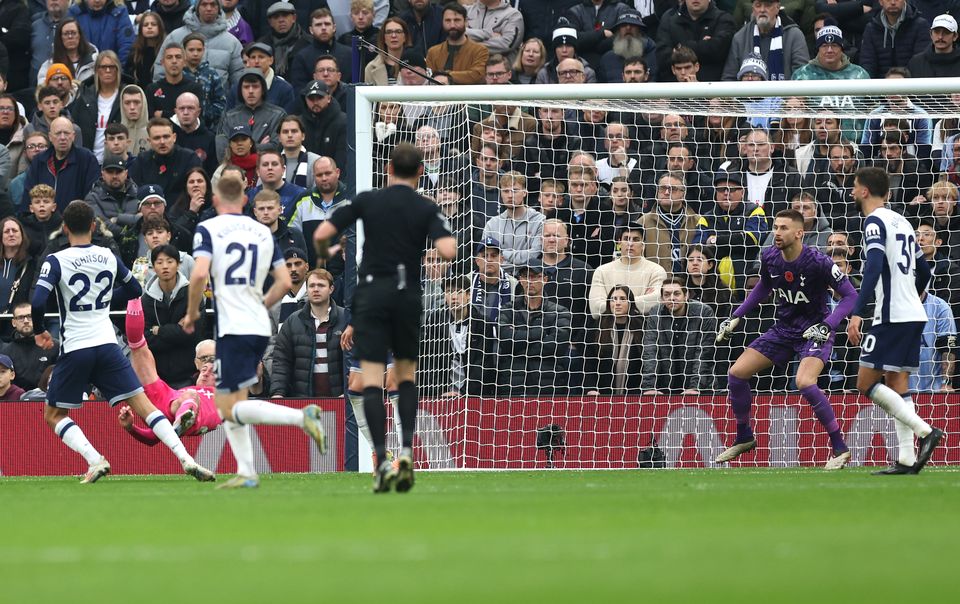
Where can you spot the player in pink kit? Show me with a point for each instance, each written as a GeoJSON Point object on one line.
{"type": "Point", "coordinates": [192, 411]}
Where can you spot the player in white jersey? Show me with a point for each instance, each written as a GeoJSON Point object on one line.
{"type": "Point", "coordinates": [82, 279]}
{"type": "Point", "coordinates": [895, 272]}
{"type": "Point", "coordinates": [237, 253]}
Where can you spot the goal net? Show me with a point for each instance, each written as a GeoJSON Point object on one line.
{"type": "Point", "coordinates": [604, 233]}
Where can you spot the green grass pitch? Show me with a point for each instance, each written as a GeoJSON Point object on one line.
{"type": "Point", "coordinates": [626, 536]}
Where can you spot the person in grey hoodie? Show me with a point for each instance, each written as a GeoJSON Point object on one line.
{"type": "Point", "coordinates": [775, 36]}
{"type": "Point", "coordinates": [496, 25]}
{"type": "Point", "coordinates": [223, 49]}
{"type": "Point", "coordinates": [519, 228]}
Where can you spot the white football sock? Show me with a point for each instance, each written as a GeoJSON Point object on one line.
{"type": "Point", "coordinates": [907, 455]}
{"type": "Point", "coordinates": [72, 436]}
{"type": "Point", "coordinates": [356, 401]}
{"type": "Point", "coordinates": [897, 408]}
{"type": "Point", "coordinates": [262, 413]}
{"type": "Point", "coordinates": [394, 398]}
{"type": "Point", "coordinates": [163, 429]}
{"type": "Point", "coordinates": [240, 443]}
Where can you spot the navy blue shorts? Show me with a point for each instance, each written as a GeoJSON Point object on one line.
{"type": "Point", "coordinates": [103, 366]}
{"type": "Point", "coordinates": [353, 363]}
{"type": "Point", "coordinates": [237, 360]}
{"type": "Point", "coordinates": [892, 346]}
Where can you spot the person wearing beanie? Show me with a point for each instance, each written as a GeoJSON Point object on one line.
{"type": "Point", "coordinates": [630, 41]}
{"type": "Point", "coordinates": [774, 36]}
{"type": "Point", "coordinates": [830, 63]}
{"type": "Point", "coordinates": [564, 46]}
{"type": "Point", "coordinates": [942, 58]}
{"type": "Point", "coordinates": [754, 69]}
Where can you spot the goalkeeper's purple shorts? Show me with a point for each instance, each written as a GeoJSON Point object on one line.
{"type": "Point", "coordinates": [781, 347]}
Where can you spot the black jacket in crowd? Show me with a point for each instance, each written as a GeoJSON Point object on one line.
{"type": "Point", "coordinates": [168, 171]}
{"type": "Point", "coordinates": [676, 27]}
{"type": "Point", "coordinates": [295, 353]}
{"type": "Point", "coordinates": [435, 371]}
{"type": "Point", "coordinates": [29, 360]}
{"type": "Point", "coordinates": [172, 347]}
{"type": "Point", "coordinates": [929, 64]}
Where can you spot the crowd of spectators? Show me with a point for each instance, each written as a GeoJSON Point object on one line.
{"type": "Point", "coordinates": [598, 249]}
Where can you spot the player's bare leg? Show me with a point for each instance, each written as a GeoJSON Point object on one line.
{"type": "Point", "coordinates": [72, 436]}
{"type": "Point", "coordinates": [894, 399]}
{"type": "Point", "coordinates": [163, 429]}
{"type": "Point", "coordinates": [408, 402]}
{"type": "Point", "coordinates": [748, 364]}
{"type": "Point", "coordinates": [807, 375]}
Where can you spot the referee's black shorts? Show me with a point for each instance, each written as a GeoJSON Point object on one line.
{"type": "Point", "coordinates": [386, 318]}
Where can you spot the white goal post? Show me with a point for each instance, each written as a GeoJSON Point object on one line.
{"type": "Point", "coordinates": [611, 426]}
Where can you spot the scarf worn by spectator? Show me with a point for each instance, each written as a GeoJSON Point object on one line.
{"type": "Point", "coordinates": [503, 296]}
{"type": "Point", "coordinates": [300, 174]}
{"type": "Point", "coordinates": [281, 49]}
{"type": "Point", "coordinates": [775, 56]}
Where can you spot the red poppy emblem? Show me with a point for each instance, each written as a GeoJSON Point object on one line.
{"type": "Point", "coordinates": [163, 169]}
{"type": "Point", "coordinates": [788, 276]}
{"type": "Point", "coordinates": [158, 93]}
{"type": "Point", "coordinates": [251, 121]}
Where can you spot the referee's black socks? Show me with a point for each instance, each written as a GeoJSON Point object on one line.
{"type": "Point", "coordinates": [376, 420]}
{"type": "Point", "coordinates": [408, 412]}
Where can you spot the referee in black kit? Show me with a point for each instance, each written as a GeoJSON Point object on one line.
{"type": "Point", "coordinates": [387, 305]}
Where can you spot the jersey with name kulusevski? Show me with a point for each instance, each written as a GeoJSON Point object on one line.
{"type": "Point", "coordinates": [801, 288]}
{"type": "Point", "coordinates": [397, 222]}
{"type": "Point", "coordinates": [896, 298]}
{"type": "Point", "coordinates": [242, 254]}
{"type": "Point", "coordinates": [82, 278]}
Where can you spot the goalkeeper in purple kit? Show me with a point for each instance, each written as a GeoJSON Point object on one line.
{"type": "Point", "coordinates": [801, 279]}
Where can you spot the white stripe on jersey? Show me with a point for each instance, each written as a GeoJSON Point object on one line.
{"type": "Point", "coordinates": [897, 300]}
{"type": "Point", "coordinates": [242, 254]}
{"type": "Point", "coordinates": [82, 279]}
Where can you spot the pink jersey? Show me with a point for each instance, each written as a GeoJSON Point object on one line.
{"type": "Point", "coordinates": [208, 418]}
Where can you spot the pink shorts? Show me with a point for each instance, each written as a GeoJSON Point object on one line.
{"type": "Point", "coordinates": [161, 395]}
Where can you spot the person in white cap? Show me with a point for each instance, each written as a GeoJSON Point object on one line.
{"type": "Point", "coordinates": [941, 59]}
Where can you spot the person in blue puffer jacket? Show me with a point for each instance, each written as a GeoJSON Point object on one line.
{"type": "Point", "coordinates": [106, 24]}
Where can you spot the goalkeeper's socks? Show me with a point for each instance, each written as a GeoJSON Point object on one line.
{"type": "Point", "coordinates": [825, 415]}
{"type": "Point", "coordinates": [135, 324]}
{"type": "Point", "coordinates": [262, 413]}
{"type": "Point", "coordinates": [72, 436]}
{"type": "Point", "coordinates": [376, 420]}
{"type": "Point", "coordinates": [356, 401]}
{"type": "Point", "coordinates": [408, 413]}
{"type": "Point", "coordinates": [891, 402]}
{"type": "Point", "coordinates": [740, 401]}
{"type": "Point", "coordinates": [242, 447]}
{"type": "Point", "coordinates": [907, 453]}
{"type": "Point", "coordinates": [394, 397]}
